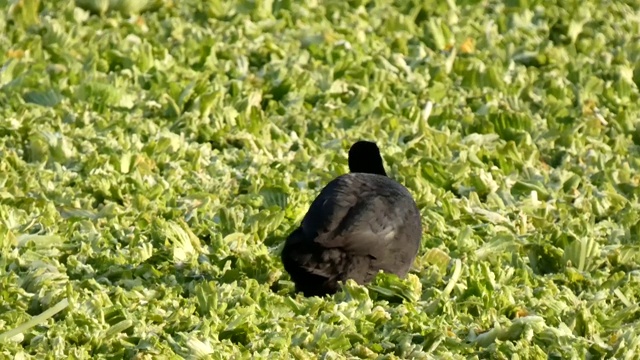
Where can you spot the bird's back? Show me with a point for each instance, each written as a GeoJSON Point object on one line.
{"type": "Point", "coordinates": [356, 197]}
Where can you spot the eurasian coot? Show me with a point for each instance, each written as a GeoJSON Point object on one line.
{"type": "Point", "coordinates": [360, 223]}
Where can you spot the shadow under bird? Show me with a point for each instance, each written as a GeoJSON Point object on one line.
{"type": "Point", "coordinates": [360, 223]}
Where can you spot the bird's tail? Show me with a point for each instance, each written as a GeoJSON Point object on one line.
{"type": "Point", "coordinates": [300, 259]}
{"type": "Point", "coordinates": [293, 252]}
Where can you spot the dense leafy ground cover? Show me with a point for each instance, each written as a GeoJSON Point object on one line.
{"type": "Point", "coordinates": [151, 166]}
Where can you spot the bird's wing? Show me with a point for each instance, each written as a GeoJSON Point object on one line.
{"type": "Point", "coordinates": [354, 215]}
{"type": "Point", "coordinates": [368, 228]}
{"type": "Point", "coordinates": [330, 207]}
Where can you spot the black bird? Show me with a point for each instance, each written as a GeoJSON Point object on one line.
{"type": "Point", "coordinates": [360, 223]}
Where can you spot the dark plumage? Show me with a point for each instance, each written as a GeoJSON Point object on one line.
{"type": "Point", "coordinates": [360, 223]}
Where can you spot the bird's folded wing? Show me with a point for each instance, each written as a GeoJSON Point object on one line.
{"type": "Point", "coordinates": [368, 228]}
{"type": "Point", "coordinates": [352, 215]}
{"type": "Point", "coordinates": [330, 208]}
